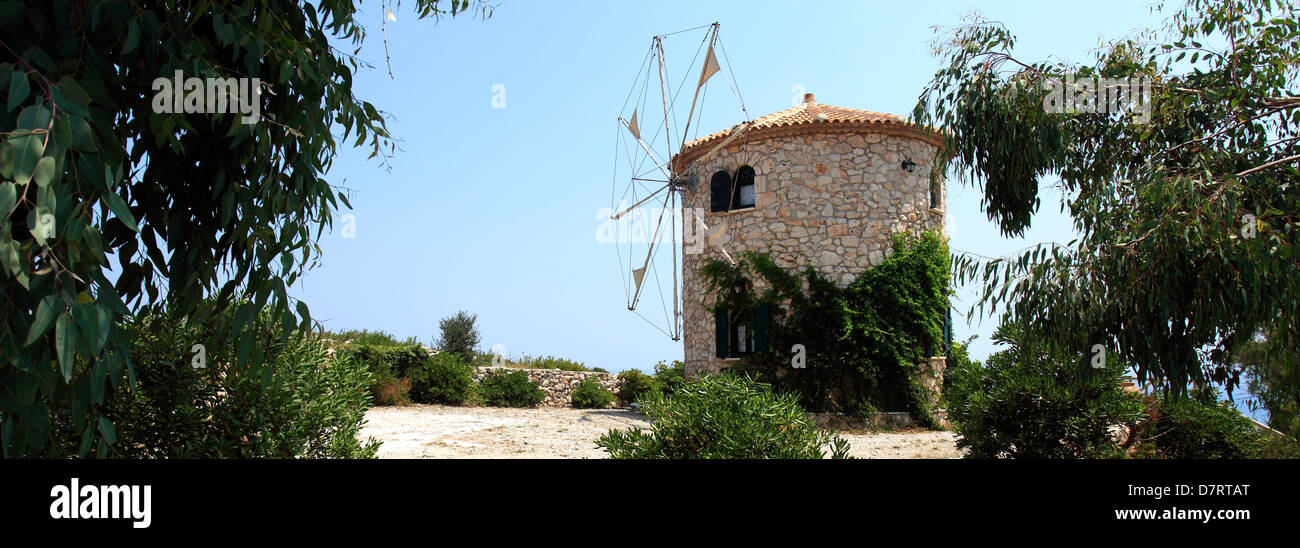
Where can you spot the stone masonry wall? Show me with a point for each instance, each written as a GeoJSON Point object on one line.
{"type": "Point", "coordinates": [557, 384]}
{"type": "Point", "coordinates": [832, 201]}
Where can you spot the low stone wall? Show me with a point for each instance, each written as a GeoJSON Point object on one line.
{"type": "Point", "coordinates": [557, 384]}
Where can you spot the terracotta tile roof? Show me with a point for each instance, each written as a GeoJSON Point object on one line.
{"type": "Point", "coordinates": [807, 113]}
{"type": "Point", "coordinates": [809, 118]}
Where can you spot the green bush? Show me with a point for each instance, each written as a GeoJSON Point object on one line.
{"type": "Point", "coordinates": [390, 365]}
{"type": "Point", "coordinates": [363, 337]}
{"type": "Point", "coordinates": [444, 379]}
{"type": "Point", "coordinates": [669, 377]}
{"type": "Point", "coordinates": [550, 362]}
{"type": "Point", "coordinates": [1028, 403]}
{"type": "Point", "coordinates": [635, 385]}
{"type": "Point", "coordinates": [1277, 447]}
{"type": "Point", "coordinates": [958, 357]}
{"type": "Point", "coordinates": [302, 403]}
{"type": "Point", "coordinates": [390, 390]}
{"type": "Point", "coordinates": [723, 416]}
{"type": "Point", "coordinates": [1189, 429]}
{"type": "Point", "coordinates": [590, 395]}
{"type": "Point", "coordinates": [511, 389]}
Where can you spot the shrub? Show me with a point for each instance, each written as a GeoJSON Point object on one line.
{"type": "Point", "coordinates": [669, 377]}
{"type": "Point", "coordinates": [398, 360]}
{"type": "Point", "coordinates": [390, 390]}
{"type": "Point", "coordinates": [389, 365]}
{"type": "Point", "coordinates": [459, 335]}
{"type": "Point", "coordinates": [723, 416]}
{"type": "Point", "coordinates": [511, 389]}
{"type": "Point", "coordinates": [590, 395]}
{"type": "Point", "coordinates": [302, 403]}
{"type": "Point", "coordinates": [363, 337]}
{"type": "Point", "coordinates": [444, 379]}
{"type": "Point", "coordinates": [402, 360]}
{"type": "Point", "coordinates": [1028, 403]}
{"type": "Point", "coordinates": [599, 370]}
{"type": "Point", "coordinates": [958, 357]}
{"type": "Point", "coordinates": [1278, 447]}
{"type": "Point", "coordinates": [550, 362]}
{"type": "Point", "coordinates": [635, 385]}
{"type": "Point", "coordinates": [1189, 429]}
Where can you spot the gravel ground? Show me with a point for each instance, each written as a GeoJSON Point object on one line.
{"type": "Point", "coordinates": [436, 431]}
{"type": "Point", "coordinates": [907, 444]}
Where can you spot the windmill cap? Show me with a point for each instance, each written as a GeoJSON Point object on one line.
{"type": "Point", "coordinates": [808, 98]}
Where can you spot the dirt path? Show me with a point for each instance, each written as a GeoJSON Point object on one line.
{"type": "Point", "coordinates": [436, 431]}
{"type": "Point", "coordinates": [911, 444]}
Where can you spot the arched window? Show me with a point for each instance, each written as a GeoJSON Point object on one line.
{"type": "Point", "coordinates": [720, 192]}
{"type": "Point", "coordinates": [744, 192]}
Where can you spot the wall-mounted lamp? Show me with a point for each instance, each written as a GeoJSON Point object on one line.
{"type": "Point", "coordinates": [909, 165]}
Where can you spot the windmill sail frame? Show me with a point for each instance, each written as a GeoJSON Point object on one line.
{"type": "Point", "coordinates": [678, 179]}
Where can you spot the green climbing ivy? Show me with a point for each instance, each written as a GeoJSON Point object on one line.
{"type": "Point", "coordinates": [862, 342]}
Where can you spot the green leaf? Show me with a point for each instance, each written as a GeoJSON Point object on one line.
{"type": "Point", "coordinates": [28, 147]}
{"type": "Point", "coordinates": [45, 313]}
{"type": "Point", "coordinates": [132, 37]}
{"type": "Point", "coordinates": [118, 207]}
{"type": "Point", "coordinates": [19, 87]}
{"type": "Point", "coordinates": [6, 160]}
{"type": "Point", "coordinates": [303, 312]}
{"type": "Point", "coordinates": [65, 344]}
{"type": "Point", "coordinates": [82, 138]}
{"type": "Point", "coordinates": [8, 197]}
{"type": "Point", "coordinates": [44, 171]}
{"type": "Point", "coordinates": [88, 324]}
{"type": "Point", "coordinates": [106, 428]}
{"type": "Point", "coordinates": [27, 152]}
{"type": "Point", "coordinates": [69, 96]}
{"type": "Point", "coordinates": [87, 437]}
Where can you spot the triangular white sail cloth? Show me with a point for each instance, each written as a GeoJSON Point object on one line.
{"type": "Point", "coordinates": [638, 275]}
{"type": "Point", "coordinates": [631, 126]}
{"type": "Point", "coordinates": [710, 68]}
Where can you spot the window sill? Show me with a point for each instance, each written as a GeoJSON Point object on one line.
{"type": "Point", "coordinates": [737, 210]}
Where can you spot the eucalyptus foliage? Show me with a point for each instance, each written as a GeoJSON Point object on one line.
{"type": "Point", "coordinates": [1273, 378]}
{"type": "Point", "coordinates": [110, 208]}
{"type": "Point", "coordinates": [1187, 223]}
{"type": "Point", "coordinates": [863, 342]}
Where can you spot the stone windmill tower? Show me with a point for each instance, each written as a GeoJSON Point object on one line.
{"type": "Point", "coordinates": [813, 184]}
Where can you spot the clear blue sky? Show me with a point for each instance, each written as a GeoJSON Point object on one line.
{"type": "Point", "coordinates": [493, 210]}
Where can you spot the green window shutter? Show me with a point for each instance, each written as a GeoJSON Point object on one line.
{"type": "Point", "coordinates": [760, 328]}
{"type": "Point", "coordinates": [721, 332]}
